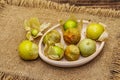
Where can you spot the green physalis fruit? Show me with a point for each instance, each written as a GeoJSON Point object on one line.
{"type": "Point", "coordinates": [55, 52]}
{"type": "Point", "coordinates": [72, 53]}
{"type": "Point", "coordinates": [94, 30]}
{"type": "Point", "coordinates": [34, 28]}
{"type": "Point", "coordinates": [28, 50]}
{"type": "Point", "coordinates": [34, 32]}
{"type": "Point", "coordinates": [87, 47]}
{"type": "Point", "coordinates": [70, 24]}
{"type": "Point", "coordinates": [52, 37]}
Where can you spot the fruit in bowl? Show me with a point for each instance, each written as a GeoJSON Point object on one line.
{"type": "Point", "coordinates": [54, 52]}
{"type": "Point", "coordinates": [94, 30]}
{"type": "Point", "coordinates": [72, 53]}
{"type": "Point", "coordinates": [70, 24]}
{"type": "Point", "coordinates": [87, 47]}
{"type": "Point", "coordinates": [72, 36]}
{"type": "Point", "coordinates": [52, 37]}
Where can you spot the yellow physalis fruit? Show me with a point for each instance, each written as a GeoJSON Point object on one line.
{"type": "Point", "coordinates": [28, 50]}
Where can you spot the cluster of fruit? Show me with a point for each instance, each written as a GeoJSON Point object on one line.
{"type": "Point", "coordinates": [75, 47]}
{"type": "Point", "coordinates": [54, 49]}
{"type": "Point", "coordinates": [27, 49]}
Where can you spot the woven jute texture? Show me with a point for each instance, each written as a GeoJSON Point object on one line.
{"type": "Point", "coordinates": [105, 66]}
{"type": "Point", "coordinates": [92, 3]}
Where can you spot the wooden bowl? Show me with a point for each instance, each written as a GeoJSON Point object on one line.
{"type": "Point", "coordinates": [64, 62]}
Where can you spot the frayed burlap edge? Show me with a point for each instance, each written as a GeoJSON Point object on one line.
{"type": "Point", "coordinates": [65, 7]}
{"type": "Point", "coordinates": [2, 3]}
{"type": "Point", "coordinates": [115, 68]}
{"type": "Point", "coordinates": [7, 76]}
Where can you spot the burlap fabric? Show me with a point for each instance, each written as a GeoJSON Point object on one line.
{"type": "Point", "coordinates": [92, 3]}
{"type": "Point", "coordinates": [105, 66]}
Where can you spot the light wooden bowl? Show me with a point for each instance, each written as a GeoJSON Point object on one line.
{"type": "Point", "coordinates": [64, 62]}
